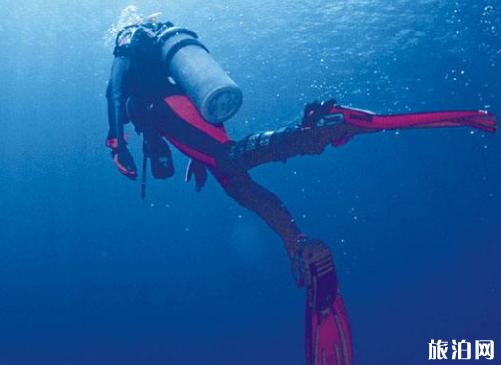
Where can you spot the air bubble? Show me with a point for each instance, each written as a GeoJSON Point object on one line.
{"type": "Point", "coordinates": [488, 9]}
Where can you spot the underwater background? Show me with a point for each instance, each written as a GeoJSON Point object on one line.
{"type": "Point", "coordinates": [91, 274]}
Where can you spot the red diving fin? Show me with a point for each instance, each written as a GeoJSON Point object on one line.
{"type": "Point", "coordinates": [476, 119]}
{"type": "Point", "coordinates": [328, 338]}
{"type": "Point", "coordinates": [348, 122]}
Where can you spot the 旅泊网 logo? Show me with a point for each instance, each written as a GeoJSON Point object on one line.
{"type": "Point", "coordinates": [461, 350]}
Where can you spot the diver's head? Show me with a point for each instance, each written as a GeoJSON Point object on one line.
{"type": "Point", "coordinates": [129, 16]}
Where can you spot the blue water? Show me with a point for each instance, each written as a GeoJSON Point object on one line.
{"type": "Point", "coordinates": [90, 274]}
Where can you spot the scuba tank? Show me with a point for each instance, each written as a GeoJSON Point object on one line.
{"type": "Point", "coordinates": [212, 91]}
{"type": "Point", "coordinates": [187, 61]}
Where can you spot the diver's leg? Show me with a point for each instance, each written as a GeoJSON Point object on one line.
{"type": "Point", "coordinates": [328, 338]}
{"type": "Point", "coordinates": [267, 205]}
{"type": "Point", "coordinates": [282, 144]}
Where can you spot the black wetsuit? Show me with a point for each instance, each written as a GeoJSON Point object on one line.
{"type": "Point", "coordinates": [138, 79]}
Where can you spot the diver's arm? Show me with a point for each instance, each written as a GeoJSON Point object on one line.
{"type": "Point", "coordinates": [116, 94]}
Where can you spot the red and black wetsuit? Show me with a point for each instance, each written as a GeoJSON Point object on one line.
{"type": "Point", "coordinates": [165, 109]}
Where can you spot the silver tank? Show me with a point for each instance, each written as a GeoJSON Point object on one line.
{"type": "Point", "coordinates": [214, 93]}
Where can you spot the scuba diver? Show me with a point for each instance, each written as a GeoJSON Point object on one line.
{"type": "Point", "coordinates": [164, 80]}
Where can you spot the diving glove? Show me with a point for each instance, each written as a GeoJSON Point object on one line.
{"type": "Point", "coordinates": [122, 157]}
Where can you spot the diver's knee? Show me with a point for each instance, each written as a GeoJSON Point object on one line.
{"type": "Point", "coordinates": [235, 186]}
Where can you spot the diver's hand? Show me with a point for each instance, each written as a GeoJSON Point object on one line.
{"type": "Point", "coordinates": [197, 169]}
{"type": "Point", "coordinates": [122, 158]}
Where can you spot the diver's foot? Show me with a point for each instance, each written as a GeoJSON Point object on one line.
{"type": "Point", "coordinates": [324, 119]}
{"type": "Point", "coordinates": [328, 338]}
{"type": "Point", "coordinates": [315, 113]}
{"type": "Point", "coordinates": [310, 257]}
